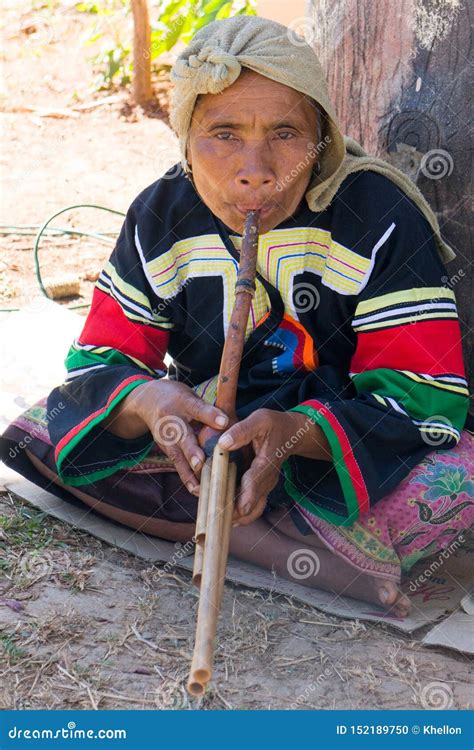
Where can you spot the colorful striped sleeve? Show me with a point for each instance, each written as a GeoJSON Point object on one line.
{"type": "Point", "coordinates": [122, 345]}
{"type": "Point", "coordinates": [410, 394]}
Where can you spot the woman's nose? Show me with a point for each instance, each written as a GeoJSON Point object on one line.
{"type": "Point", "coordinates": [256, 170]}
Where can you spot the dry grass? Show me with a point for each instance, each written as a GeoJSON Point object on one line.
{"type": "Point", "coordinates": [82, 625]}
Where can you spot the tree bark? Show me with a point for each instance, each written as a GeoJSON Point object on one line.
{"type": "Point", "coordinates": [398, 75]}
{"type": "Point", "coordinates": [142, 91]}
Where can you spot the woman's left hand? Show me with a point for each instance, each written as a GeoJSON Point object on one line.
{"type": "Point", "coordinates": [274, 436]}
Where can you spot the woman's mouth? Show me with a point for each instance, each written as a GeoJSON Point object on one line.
{"type": "Point", "coordinates": [264, 210]}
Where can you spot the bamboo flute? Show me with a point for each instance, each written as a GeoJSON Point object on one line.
{"type": "Point", "coordinates": [218, 477]}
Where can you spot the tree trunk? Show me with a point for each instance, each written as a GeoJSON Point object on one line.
{"type": "Point", "coordinates": [398, 77]}
{"type": "Point", "coordinates": [142, 91]}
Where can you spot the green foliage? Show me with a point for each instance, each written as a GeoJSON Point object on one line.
{"type": "Point", "coordinates": [171, 21]}
{"type": "Point", "coordinates": [25, 529]}
{"type": "Point", "coordinates": [179, 20]}
{"type": "Point", "coordinates": [113, 59]}
{"type": "Point", "coordinates": [11, 649]}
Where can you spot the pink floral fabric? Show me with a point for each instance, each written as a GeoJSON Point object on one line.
{"type": "Point", "coordinates": [430, 508]}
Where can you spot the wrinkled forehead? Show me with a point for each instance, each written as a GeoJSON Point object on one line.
{"type": "Point", "coordinates": [251, 93]}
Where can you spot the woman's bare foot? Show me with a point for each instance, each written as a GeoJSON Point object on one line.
{"type": "Point", "coordinates": [275, 544]}
{"type": "Point", "coordinates": [279, 546]}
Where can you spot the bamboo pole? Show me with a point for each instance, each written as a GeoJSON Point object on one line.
{"type": "Point", "coordinates": [201, 522]}
{"type": "Point", "coordinates": [218, 478]}
{"type": "Point", "coordinates": [208, 609]}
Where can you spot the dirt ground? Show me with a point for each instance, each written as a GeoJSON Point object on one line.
{"type": "Point", "coordinates": [81, 626]}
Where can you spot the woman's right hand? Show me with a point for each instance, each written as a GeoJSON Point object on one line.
{"type": "Point", "coordinates": [167, 408]}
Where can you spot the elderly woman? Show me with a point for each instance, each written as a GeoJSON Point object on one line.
{"type": "Point", "coordinates": [352, 372]}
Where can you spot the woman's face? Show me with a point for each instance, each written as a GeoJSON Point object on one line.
{"type": "Point", "coordinates": [253, 146]}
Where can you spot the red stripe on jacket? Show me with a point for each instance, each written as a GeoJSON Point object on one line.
{"type": "Point", "coordinates": [107, 325]}
{"type": "Point", "coordinates": [432, 347]}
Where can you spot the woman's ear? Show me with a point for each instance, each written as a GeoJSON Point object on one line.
{"type": "Point", "coordinates": [188, 160]}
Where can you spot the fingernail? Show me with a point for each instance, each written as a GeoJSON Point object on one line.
{"type": "Point", "coordinates": [195, 462]}
{"type": "Point", "coordinates": [221, 421]}
{"type": "Point", "coordinates": [235, 525]}
{"type": "Point", "coordinates": [246, 510]}
{"type": "Point", "coordinates": [383, 593]}
{"type": "Point", "coordinates": [225, 441]}
{"type": "Point", "coordinates": [190, 487]}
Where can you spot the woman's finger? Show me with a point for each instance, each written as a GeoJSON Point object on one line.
{"type": "Point", "coordinates": [180, 462]}
{"type": "Point", "coordinates": [196, 408]}
{"type": "Point", "coordinates": [256, 512]}
{"type": "Point", "coordinates": [256, 483]}
{"type": "Point", "coordinates": [244, 432]}
{"type": "Point", "coordinates": [171, 431]}
{"type": "Point", "coordinates": [192, 451]}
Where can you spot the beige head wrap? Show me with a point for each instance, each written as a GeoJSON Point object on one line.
{"type": "Point", "coordinates": [213, 61]}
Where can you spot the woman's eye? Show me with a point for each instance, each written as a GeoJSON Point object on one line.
{"type": "Point", "coordinates": [224, 136]}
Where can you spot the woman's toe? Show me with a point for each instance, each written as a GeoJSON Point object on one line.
{"type": "Point", "coordinates": [392, 599]}
{"type": "Point", "coordinates": [388, 593]}
{"type": "Point", "coordinates": [402, 605]}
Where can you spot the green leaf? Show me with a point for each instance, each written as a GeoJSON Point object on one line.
{"type": "Point", "coordinates": [409, 539]}
{"type": "Point", "coordinates": [163, 42]}
{"type": "Point", "coordinates": [437, 520]}
{"type": "Point", "coordinates": [87, 8]}
{"type": "Point", "coordinates": [424, 511]}
{"type": "Point", "coordinates": [172, 10]}
{"type": "Point", "coordinates": [204, 21]}
{"type": "Point", "coordinates": [213, 6]}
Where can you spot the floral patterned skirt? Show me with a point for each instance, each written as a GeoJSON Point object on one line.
{"type": "Point", "coordinates": [430, 510]}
